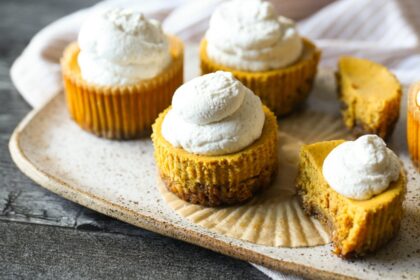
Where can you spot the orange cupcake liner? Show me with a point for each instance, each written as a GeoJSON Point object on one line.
{"type": "Point", "coordinates": [120, 112]}
{"type": "Point", "coordinates": [282, 90]}
{"type": "Point", "coordinates": [413, 125]}
{"type": "Point", "coordinates": [186, 171]}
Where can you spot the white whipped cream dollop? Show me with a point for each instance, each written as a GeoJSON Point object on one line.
{"type": "Point", "coordinates": [362, 168]}
{"type": "Point", "coordinates": [121, 47]}
{"type": "Point", "coordinates": [214, 114]}
{"type": "Point", "coordinates": [249, 36]}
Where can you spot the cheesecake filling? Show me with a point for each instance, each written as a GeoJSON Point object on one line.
{"type": "Point", "coordinates": [249, 36]}
{"type": "Point", "coordinates": [121, 47]}
{"type": "Point", "coordinates": [362, 168]}
{"type": "Point", "coordinates": [214, 114]}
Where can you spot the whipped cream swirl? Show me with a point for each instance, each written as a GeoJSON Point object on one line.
{"type": "Point", "coordinates": [362, 168]}
{"type": "Point", "coordinates": [249, 36]}
{"type": "Point", "coordinates": [121, 47]}
{"type": "Point", "coordinates": [214, 114]}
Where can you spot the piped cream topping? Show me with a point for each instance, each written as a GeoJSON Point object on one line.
{"type": "Point", "coordinates": [249, 36]}
{"type": "Point", "coordinates": [121, 47]}
{"type": "Point", "coordinates": [362, 168]}
{"type": "Point", "coordinates": [214, 114]}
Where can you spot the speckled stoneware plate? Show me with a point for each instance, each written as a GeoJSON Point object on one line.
{"type": "Point", "coordinates": [119, 179]}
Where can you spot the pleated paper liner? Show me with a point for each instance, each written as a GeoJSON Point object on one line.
{"type": "Point", "coordinates": [413, 125]}
{"type": "Point", "coordinates": [274, 217]}
{"type": "Point", "coordinates": [120, 112]}
{"type": "Point", "coordinates": [281, 89]}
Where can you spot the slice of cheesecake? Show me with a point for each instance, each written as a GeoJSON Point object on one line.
{"type": "Point", "coordinates": [356, 226]}
{"type": "Point", "coordinates": [370, 96]}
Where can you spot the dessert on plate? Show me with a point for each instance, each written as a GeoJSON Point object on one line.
{"type": "Point", "coordinates": [217, 144]}
{"type": "Point", "coordinates": [356, 188]}
{"type": "Point", "coordinates": [413, 124]}
{"type": "Point", "coordinates": [370, 96]}
{"type": "Point", "coordinates": [121, 73]}
{"type": "Point", "coordinates": [262, 50]}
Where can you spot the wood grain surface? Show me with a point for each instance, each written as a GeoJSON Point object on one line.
{"type": "Point", "coordinates": [44, 236]}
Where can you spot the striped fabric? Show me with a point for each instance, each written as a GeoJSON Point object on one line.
{"type": "Point", "coordinates": [386, 31]}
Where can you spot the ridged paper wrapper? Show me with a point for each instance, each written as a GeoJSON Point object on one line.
{"type": "Point", "coordinates": [413, 125]}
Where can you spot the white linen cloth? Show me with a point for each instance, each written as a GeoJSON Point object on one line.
{"type": "Point", "coordinates": [386, 31]}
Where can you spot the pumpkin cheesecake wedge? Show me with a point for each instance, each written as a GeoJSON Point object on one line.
{"type": "Point", "coordinates": [370, 96]}
{"type": "Point", "coordinates": [356, 188]}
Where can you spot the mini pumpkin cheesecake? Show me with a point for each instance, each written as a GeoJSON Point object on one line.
{"type": "Point", "coordinates": [216, 145]}
{"type": "Point", "coordinates": [121, 73]}
{"type": "Point", "coordinates": [370, 96]}
{"type": "Point", "coordinates": [262, 50]}
{"type": "Point", "coordinates": [364, 209]}
{"type": "Point", "coordinates": [413, 124]}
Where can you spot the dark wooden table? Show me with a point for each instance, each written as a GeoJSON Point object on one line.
{"type": "Point", "coordinates": [43, 236]}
